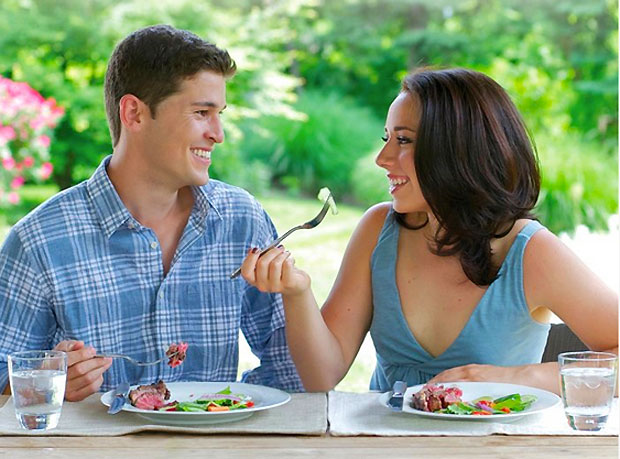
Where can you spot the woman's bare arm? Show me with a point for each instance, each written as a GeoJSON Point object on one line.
{"type": "Point", "coordinates": [324, 343]}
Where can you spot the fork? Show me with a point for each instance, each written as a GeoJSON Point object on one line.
{"type": "Point", "coordinates": [134, 361]}
{"type": "Point", "coordinates": [308, 225]}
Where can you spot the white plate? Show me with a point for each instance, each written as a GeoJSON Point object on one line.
{"type": "Point", "coordinates": [473, 390]}
{"type": "Point", "coordinates": [263, 397]}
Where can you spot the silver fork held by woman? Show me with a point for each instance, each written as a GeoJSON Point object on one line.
{"type": "Point", "coordinates": [308, 225]}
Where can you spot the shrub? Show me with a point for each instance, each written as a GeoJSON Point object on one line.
{"type": "Point", "coordinates": [319, 150]}
{"type": "Point", "coordinates": [579, 184]}
{"type": "Point", "coordinates": [231, 167]}
{"type": "Point", "coordinates": [370, 184]}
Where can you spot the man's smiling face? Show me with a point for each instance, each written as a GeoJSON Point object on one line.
{"type": "Point", "coordinates": [179, 140]}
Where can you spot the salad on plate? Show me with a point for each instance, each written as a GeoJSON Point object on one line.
{"type": "Point", "coordinates": [447, 400]}
{"type": "Point", "coordinates": [223, 400]}
{"type": "Point", "coordinates": [155, 397]}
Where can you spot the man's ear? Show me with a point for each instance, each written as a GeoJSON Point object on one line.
{"type": "Point", "coordinates": [132, 112]}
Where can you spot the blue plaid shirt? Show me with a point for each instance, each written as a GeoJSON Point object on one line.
{"type": "Point", "coordinates": [81, 267]}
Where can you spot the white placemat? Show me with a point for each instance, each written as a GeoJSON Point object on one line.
{"type": "Point", "coordinates": [351, 414]}
{"type": "Point", "coordinates": [305, 414]}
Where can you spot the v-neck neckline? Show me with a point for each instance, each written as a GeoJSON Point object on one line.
{"type": "Point", "coordinates": [403, 319]}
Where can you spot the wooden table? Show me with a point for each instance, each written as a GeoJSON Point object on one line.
{"type": "Point", "coordinates": [156, 445]}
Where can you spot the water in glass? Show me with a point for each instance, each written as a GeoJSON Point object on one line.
{"type": "Point", "coordinates": [587, 394]}
{"type": "Point", "coordinates": [38, 380]}
{"type": "Point", "coordinates": [38, 396]}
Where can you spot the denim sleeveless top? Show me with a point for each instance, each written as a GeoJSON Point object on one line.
{"type": "Point", "coordinates": [500, 330]}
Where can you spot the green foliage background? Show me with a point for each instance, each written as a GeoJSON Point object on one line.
{"type": "Point", "coordinates": [316, 78]}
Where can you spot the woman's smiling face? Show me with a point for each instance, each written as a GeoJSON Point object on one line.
{"type": "Point", "coordinates": [396, 157]}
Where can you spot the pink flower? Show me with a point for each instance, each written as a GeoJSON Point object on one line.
{"type": "Point", "coordinates": [37, 123]}
{"type": "Point", "coordinates": [13, 197]}
{"type": "Point", "coordinates": [46, 170]}
{"type": "Point", "coordinates": [8, 163]}
{"type": "Point", "coordinates": [7, 133]}
{"type": "Point", "coordinates": [43, 140]}
{"type": "Point", "coordinates": [17, 182]}
{"type": "Point", "coordinates": [28, 161]}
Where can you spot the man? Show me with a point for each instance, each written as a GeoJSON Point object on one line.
{"type": "Point", "coordinates": [138, 256]}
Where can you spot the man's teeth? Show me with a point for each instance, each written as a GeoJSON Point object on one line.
{"type": "Point", "coordinates": [398, 181]}
{"type": "Point", "coordinates": [202, 153]}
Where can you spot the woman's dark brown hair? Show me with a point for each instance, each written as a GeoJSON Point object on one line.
{"type": "Point", "coordinates": [475, 163]}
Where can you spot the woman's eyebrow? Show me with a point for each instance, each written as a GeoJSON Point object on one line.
{"type": "Point", "coordinates": [404, 128]}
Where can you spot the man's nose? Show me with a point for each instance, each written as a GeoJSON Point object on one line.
{"type": "Point", "coordinates": [215, 131]}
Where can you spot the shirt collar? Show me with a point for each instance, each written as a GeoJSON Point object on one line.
{"type": "Point", "coordinates": [110, 210]}
{"type": "Point", "coordinates": [205, 197]}
{"type": "Point", "coordinates": [113, 214]}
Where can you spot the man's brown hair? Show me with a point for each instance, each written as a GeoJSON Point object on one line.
{"type": "Point", "coordinates": [151, 63]}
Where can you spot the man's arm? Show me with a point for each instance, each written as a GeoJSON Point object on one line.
{"type": "Point", "coordinates": [26, 318]}
{"type": "Point", "coordinates": [262, 324]}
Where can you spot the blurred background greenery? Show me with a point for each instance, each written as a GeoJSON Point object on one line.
{"type": "Point", "coordinates": [315, 79]}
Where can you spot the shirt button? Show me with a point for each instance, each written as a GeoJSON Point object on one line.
{"type": "Point", "coordinates": [161, 295]}
{"type": "Point", "coordinates": [130, 225]}
{"type": "Point", "coordinates": [153, 245]}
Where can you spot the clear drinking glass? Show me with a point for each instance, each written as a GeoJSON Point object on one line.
{"type": "Point", "coordinates": [38, 381]}
{"type": "Point", "coordinates": [588, 387]}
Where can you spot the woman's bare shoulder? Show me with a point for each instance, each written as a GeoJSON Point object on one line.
{"type": "Point", "coordinates": [373, 219]}
{"type": "Point", "coordinates": [366, 234]}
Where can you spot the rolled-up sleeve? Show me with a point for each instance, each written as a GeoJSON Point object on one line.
{"type": "Point", "coordinates": [263, 327]}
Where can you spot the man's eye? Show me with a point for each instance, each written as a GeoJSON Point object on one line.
{"type": "Point", "coordinates": [202, 112]}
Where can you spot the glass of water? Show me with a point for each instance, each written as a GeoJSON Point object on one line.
{"type": "Point", "coordinates": [588, 387]}
{"type": "Point", "coordinates": [38, 381]}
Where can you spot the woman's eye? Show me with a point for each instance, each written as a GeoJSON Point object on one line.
{"type": "Point", "coordinates": [403, 140]}
{"type": "Point", "coordinates": [384, 138]}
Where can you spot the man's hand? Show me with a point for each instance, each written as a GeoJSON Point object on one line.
{"type": "Point", "coordinates": [84, 373]}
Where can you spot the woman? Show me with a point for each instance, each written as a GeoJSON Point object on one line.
{"type": "Point", "coordinates": [454, 279]}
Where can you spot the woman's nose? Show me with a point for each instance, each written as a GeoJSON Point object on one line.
{"type": "Point", "coordinates": [384, 158]}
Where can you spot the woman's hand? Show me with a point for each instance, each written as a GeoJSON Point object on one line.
{"type": "Point", "coordinates": [475, 372]}
{"type": "Point", "coordinates": [84, 372]}
{"type": "Point", "coordinates": [542, 375]}
{"type": "Point", "coordinates": [275, 271]}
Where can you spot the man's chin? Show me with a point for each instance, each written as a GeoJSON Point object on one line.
{"type": "Point", "coordinates": [200, 179]}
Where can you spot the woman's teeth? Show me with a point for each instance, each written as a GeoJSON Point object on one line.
{"type": "Point", "coordinates": [206, 154]}
{"type": "Point", "coordinates": [398, 181]}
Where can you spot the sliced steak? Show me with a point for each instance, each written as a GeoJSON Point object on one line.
{"type": "Point", "coordinates": [435, 397]}
{"type": "Point", "coordinates": [149, 397]}
{"type": "Point", "coordinates": [176, 353]}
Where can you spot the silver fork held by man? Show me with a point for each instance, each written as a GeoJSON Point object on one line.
{"type": "Point", "coordinates": [308, 225]}
{"type": "Point", "coordinates": [134, 361]}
